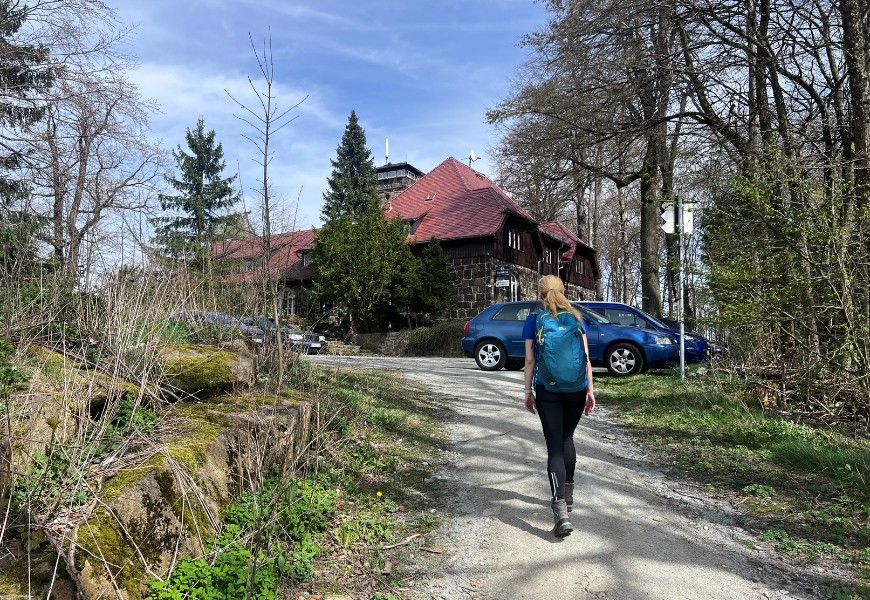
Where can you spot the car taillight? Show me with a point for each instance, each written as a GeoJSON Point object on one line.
{"type": "Point", "coordinates": [467, 323]}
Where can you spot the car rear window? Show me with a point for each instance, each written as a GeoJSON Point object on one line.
{"type": "Point", "coordinates": [513, 312]}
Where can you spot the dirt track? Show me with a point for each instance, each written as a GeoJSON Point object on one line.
{"type": "Point", "coordinates": [637, 534]}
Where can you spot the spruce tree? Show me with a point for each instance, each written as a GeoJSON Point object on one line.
{"type": "Point", "coordinates": [352, 184]}
{"type": "Point", "coordinates": [24, 73]}
{"type": "Point", "coordinates": [204, 200]}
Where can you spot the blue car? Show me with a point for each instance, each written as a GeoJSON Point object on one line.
{"type": "Point", "coordinates": [494, 338]}
{"type": "Point", "coordinates": [623, 314]}
{"type": "Point", "coordinates": [715, 350]}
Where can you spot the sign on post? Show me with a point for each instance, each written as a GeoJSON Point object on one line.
{"type": "Point", "coordinates": [502, 282]}
{"type": "Point", "coordinates": [671, 220]}
{"type": "Point", "coordinates": [669, 217]}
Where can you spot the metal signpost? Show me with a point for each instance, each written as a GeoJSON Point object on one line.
{"type": "Point", "coordinates": [503, 276]}
{"type": "Point", "coordinates": [678, 219]}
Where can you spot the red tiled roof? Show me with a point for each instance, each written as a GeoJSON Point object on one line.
{"type": "Point", "coordinates": [557, 230]}
{"type": "Point", "coordinates": [454, 201]}
{"type": "Point", "coordinates": [287, 251]}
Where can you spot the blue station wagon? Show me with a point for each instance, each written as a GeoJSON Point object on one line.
{"type": "Point", "coordinates": [494, 338]}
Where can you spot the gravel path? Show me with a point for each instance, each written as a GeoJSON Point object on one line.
{"type": "Point", "coordinates": [637, 534]}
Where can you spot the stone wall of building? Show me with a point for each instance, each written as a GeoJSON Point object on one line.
{"type": "Point", "coordinates": [476, 285]}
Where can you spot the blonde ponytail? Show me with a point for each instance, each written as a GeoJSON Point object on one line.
{"type": "Point", "coordinates": [553, 296]}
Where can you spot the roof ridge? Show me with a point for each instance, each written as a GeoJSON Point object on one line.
{"type": "Point", "coordinates": [454, 163]}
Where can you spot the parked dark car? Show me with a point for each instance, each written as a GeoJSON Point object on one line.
{"type": "Point", "coordinates": [494, 338]}
{"type": "Point", "coordinates": [304, 342]}
{"type": "Point", "coordinates": [254, 333]}
{"type": "Point", "coordinates": [623, 314]}
{"type": "Point", "coordinates": [714, 349]}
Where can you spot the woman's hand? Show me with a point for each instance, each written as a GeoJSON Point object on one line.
{"type": "Point", "coordinates": [590, 402]}
{"type": "Point", "coordinates": [530, 402]}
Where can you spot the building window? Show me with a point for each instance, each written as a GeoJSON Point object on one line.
{"type": "Point", "coordinates": [515, 239]}
{"type": "Point", "coordinates": [548, 256]}
{"type": "Point", "coordinates": [289, 307]}
{"type": "Point", "coordinates": [248, 266]}
{"type": "Point", "coordinates": [306, 259]}
{"type": "Point", "coordinates": [580, 266]}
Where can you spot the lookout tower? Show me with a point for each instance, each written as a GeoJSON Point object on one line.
{"type": "Point", "coordinates": [395, 177]}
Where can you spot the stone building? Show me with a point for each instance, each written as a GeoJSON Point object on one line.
{"type": "Point", "coordinates": [396, 178]}
{"type": "Point", "coordinates": [497, 251]}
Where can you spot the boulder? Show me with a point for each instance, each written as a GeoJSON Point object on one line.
{"type": "Point", "coordinates": [204, 371]}
{"type": "Point", "coordinates": [37, 418]}
{"type": "Point", "coordinates": [164, 508]}
{"type": "Point", "coordinates": [34, 576]}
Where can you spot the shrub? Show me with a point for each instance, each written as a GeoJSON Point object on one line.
{"type": "Point", "coordinates": [442, 339]}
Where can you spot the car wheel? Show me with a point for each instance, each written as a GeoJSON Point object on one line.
{"type": "Point", "coordinates": [490, 355]}
{"type": "Point", "coordinates": [515, 365]}
{"type": "Point", "coordinates": [624, 359]}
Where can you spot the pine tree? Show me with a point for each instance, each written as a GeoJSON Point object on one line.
{"type": "Point", "coordinates": [436, 293]}
{"type": "Point", "coordinates": [360, 263]}
{"type": "Point", "coordinates": [352, 184]}
{"type": "Point", "coordinates": [24, 72]}
{"type": "Point", "coordinates": [204, 199]}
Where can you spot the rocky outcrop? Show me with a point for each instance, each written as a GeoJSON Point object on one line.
{"type": "Point", "coordinates": [150, 509]}
{"type": "Point", "coordinates": [151, 514]}
{"type": "Point", "coordinates": [203, 371]}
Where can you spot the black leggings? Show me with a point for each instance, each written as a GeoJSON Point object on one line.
{"type": "Point", "coordinates": [559, 412]}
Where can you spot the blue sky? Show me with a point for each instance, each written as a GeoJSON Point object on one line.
{"type": "Point", "coordinates": [419, 72]}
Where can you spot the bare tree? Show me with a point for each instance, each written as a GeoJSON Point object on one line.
{"type": "Point", "coordinates": [597, 97]}
{"type": "Point", "coordinates": [266, 119]}
{"type": "Point", "coordinates": [90, 158]}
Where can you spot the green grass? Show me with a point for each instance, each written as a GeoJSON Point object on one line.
{"type": "Point", "coordinates": [804, 489]}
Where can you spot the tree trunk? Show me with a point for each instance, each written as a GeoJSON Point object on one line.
{"type": "Point", "coordinates": [649, 233]}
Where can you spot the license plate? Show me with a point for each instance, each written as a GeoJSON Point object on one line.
{"type": "Point", "coordinates": [315, 345]}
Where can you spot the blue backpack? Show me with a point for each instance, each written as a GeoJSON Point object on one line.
{"type": "Point", "coordinates": [561, 358]}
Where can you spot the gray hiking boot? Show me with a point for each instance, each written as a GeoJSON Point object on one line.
{"type": "Point", "coordinates": [569, 495]}
{"type": "Point", "coordinates": [560, 517]}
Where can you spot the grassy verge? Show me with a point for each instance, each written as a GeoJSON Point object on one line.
{"type": "Point", "coordinates": [805, 490]}
{"type": "Point", "coordinates": [325, 531]}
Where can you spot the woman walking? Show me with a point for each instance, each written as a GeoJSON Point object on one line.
{"type": "Point", "coordinates": [559, 411]}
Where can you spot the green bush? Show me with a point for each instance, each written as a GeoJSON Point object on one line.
{"type": "Point", "coordinates": [442, 339]}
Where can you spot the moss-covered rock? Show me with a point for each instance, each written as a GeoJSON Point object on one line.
{"type": "Point", "coordinates": [38, 419]}
{"type": "Point", "coordinates": [163, 508]}
{"type": "Point", "coordinates": [37, 575]}
{"type": "Point", "coordinates": [204, 371]}
{"type": "Point", "coordinates": [79, 383]}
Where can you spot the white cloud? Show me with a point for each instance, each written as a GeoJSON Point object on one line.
{"type": "Point", "coordinates": [421, 74]}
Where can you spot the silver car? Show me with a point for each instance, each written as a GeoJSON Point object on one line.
{"type": "Point", "coordinates": [303, 342]}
